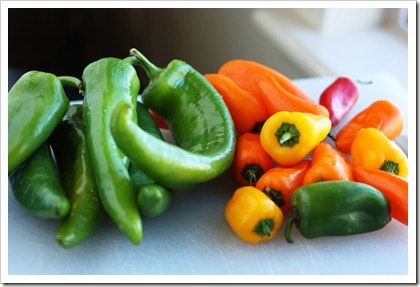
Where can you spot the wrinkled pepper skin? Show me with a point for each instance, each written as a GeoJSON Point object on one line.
{"type": "Point", "coordinates": [336, 208]}
{"type": "Point", "coordinates": [199, 121]}
{"type": "Point", "coordinates": [68, 142]}
{"type": "Point", "coordinates": [37, 187]}
{"type": "Point", "coordinates": [36, 104]}
{"type": "Point", "coordinates": [106, 82]}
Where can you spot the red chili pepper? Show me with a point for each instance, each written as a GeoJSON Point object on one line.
{"type": "Point", "coordinates": [339, 98]}
{"type": "Point", "coordinates": [251, 161]}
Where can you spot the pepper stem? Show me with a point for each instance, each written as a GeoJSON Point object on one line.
{"type": "Point", "coordinates": [290, 222]}
{"type": "Point", "coordinates": [151, 69]}
{"type": "Point", "coordinates": [70, 81]}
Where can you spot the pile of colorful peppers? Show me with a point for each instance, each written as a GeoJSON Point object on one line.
{"type": "Point", "coordinates": [284, 163]}
{"type": "Point", "coordinates": [77, 162]}
{"type": "Point", "coordinates": [107, 155]}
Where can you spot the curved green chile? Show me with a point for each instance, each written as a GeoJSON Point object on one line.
{"type": "Point", "coordinates": [69, 145]}
{"type": "Point", "coordinates": [197, 117]}
{"type": "Point", "coordinates": [153, 200]}
{"type": "Point", "coordinates": [37, 187]}
{"type": "Point", "coordinates": [105, 83]}
{"type": "Point", "coordinates": [36, 104]}
{"type": "Point", "coordinates": [335, 208]}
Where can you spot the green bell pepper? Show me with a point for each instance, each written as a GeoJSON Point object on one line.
{"type": "Point", "coordinates": [197, 117]}
{"type": "Point", "coordinates": [335, 208]}
{"type": "Point", "coordinates": [106, 82]}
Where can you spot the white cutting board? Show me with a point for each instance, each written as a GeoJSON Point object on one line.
{"type": "Point", "coordinates": [193, 238]}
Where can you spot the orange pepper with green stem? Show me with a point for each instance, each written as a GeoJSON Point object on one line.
{"type": "Point", "coordinates": [248, 112]}
{"type": "Point", "coordinates": [279, 182]}
{"type": "Point", "coordinates": [372, 149]}
{"type": "Point", "coordinates": [328, 164]}
{"type": "Point", "coordinates": [277, 99]}
{"type": "Point", "coordinates": [288, 137]}
{"type": "Point", "coordinates": [252, 215]}
{"type": "Point", "coordinates": [247, 74]}
{"type": "Point", "coordinates": [251, 161]}
{"type": "Point", "coordinates": [381, 114]}
{"type": "Point", "coordinates": [394, 187]}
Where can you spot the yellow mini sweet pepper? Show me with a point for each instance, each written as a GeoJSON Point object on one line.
{"type": "Point", "coordinates": [252, 215]}
{"type": "Point", "coordinates": [372, 149]}
{"type": "Point", "coordinates": [290, 136]}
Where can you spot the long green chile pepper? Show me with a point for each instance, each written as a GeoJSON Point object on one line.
{"type": "Point", "coordinates": [105, 83]}
{"type": "Point", "coordinates": [335, 208]}
{"type": "Point", "coordinates": [36, 104]}
{"type": "Point", "coordinates": [152, 198]}
{"type": "Point", "coordinates": [68, 142]}
{"type": "Point", "coordinates": [197, 117]}
{"type": "Point", "coordinates": [37, 187]}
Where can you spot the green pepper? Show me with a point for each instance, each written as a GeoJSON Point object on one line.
{"type": "Point", "coordinates": [37, 187]}
{"type": "Point", "coordinates": [76, 173]}
{"type": "Point", "coordinates": [106, 82]}
{"type": "Point", "coordinates": [152, 198]}
{"type": "Point", "coordinates": [36, 104]}
{"type": "Point", "coordinates": [335, 208]}
{"type": "Point", "coordinates": [197, 117]}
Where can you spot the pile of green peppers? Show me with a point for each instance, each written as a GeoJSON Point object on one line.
{"type": "Point", "coordinates": [107, 155]}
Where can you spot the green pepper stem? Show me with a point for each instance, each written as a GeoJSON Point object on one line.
{"type": "Point", "coordinates": [285, 137]}
{"type": "Point", "coordinates": [290, 222]}
{"type": "Point", "coordinates": [70, 81]}
{"type": "Point", "coordinates": [151, 69]}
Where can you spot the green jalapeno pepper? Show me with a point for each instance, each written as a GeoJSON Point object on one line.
{"type": "Point", "coordinates": [197, 117]}
{"type": "Point", "coordinates": [105, 83]}
{"type": "Point", "coordinates": [335, 208]}
{"type": "Point", "coordinates": [152, 198]}
{"type": "Point", "coordinates": [37, 187]}
{"type": "Point", "coordinates": [36, 104]}
{"type": "Point", "coordinates": [75, 169]}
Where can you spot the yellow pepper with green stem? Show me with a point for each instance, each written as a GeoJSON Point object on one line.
{"type": "Point", "coordinates": [290, 136]}
{"type": "Point", "coordinates": [372, 149]}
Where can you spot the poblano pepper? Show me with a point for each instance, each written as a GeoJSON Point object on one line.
{"type": "Point", "coordinates": [36, 104]}
{"type": "Point", "coordinates": [337, 207]}
{"type": "Point", "coordinates": [197, 117]}
{"type": "Point", "coordinates": [106, 82]}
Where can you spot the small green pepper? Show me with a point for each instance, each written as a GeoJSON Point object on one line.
{"type": "Point", "coordinates": [36, 104]}
{"type": "Point", "coordinates": [106, 82]}
{"type": "Point", "coordinates": [37, 187]}
{"type": "Point", "coordinates": [69, 146]}
{"type": "Point", "coordinates": [197, 117]}
{"type": "Point", "coordinates": [335, 208]}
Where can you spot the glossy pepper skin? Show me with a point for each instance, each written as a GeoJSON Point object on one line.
{"type": "Point", "coordinates": [279, 182]}
{"type": "Point", "coordinates": [290, 136]}
{"type": "Point", "coordinates": [36, 104]}
{"type": "Point", "coordinates": [106, 82]}
{"type": "Point", "coordinates": [328, 164]}
{"type": "Point", "coordinates": [339, 98]}
{"type": "Point", "coordinates": [372, 149]}
{"type": "Point", "coordinates": [248, 112]}
{"type": "Point", "coordinates": [252, 215]}
{"type": "Point", "coordinates": [394, 187]}
{"type": "Point", "coordinates": [381, 114]}
{"type": "Point", "coordinates": [37, 187]}
{"type": "Point", "coordinates": [152, 198]}
{"type": "Point", "coordinates": [337, 208]}
{"type": "Point", "coordinates": [198, 119]}
{"type": "Point", "coordinates": [68, 142]}
{"type": "Point", "coordinates": [251, 161]}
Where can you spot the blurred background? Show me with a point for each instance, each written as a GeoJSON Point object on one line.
{"type": "Point", "coordinates": [300, 43]}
